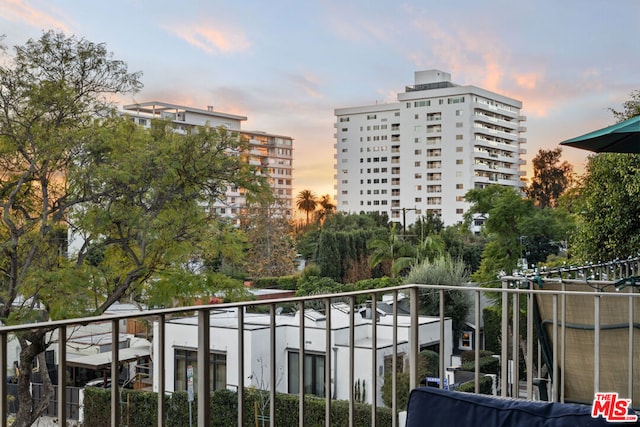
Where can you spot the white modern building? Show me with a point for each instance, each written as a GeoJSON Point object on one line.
{"type": "Point", "coordinates": [182, 343]}
{"type": "Point", "coordinates": [423, 153]}
{"type": "Point", "coordinates": [272, 154]}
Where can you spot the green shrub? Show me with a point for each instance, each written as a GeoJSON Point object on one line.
{"type": "Point", "coordinates": [142, 410]}
{"type": "Point", "coordinates": [469, 387]}
{"type": "Point", "coordinates": [283, 282]}
{"type": "Point", "coordinates": [469, 355]}
{"type": "Point", "coordinates": [488, 365]}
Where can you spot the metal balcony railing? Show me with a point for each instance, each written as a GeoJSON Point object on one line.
{"type": "Point", "coordinates": [547, 299]}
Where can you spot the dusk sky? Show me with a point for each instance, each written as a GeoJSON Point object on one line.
{"type": "Point", "coordinates": [287, 65]}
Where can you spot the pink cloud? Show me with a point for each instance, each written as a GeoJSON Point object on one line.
{"type": "Point", "coordinates": [18, 11]}
{"type": "Point", "coordinates": [212, 37]}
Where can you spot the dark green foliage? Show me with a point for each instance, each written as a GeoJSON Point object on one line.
{"type": "Point", "coordinates": [224, 407]}
{"type": "Point", "coordinates": [97, 406]}
{"type": "Point", "coordinates": [492, 318]}
{"type": "Point", "coordinates": [488, 365]}
{"type": "Point", "coordinates": [469, 387]}
{"type": "Point", "coordinates": [283, 282]}
{"type": "Point", "coordinates": [470, 355]}
{"type": "Point", "coordinates": [402, 390]}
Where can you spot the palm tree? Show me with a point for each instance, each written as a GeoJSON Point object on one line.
{"type": "Point", "coordinates": [326, 208]}
{"type": "Point", "coordinates": [306, 201]}
{"type": "Point", "coordinates": [393, 251]}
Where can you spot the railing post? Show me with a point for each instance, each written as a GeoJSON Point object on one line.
{"type": "Point", "coordinates": [272, 365]}
{"type": "Point", "coordinates": [515, 346]}
{"type": "Point", "coordinates": [563, 338]}
{"type": "Point", "coordinates": [62, 376]}
{"type": "Point", "coordinates": [160, 367]}
{"type": "Point", "coordinates": [443, 342]}
{"type": "Point", "coordinates": [530, 339]}
{"type": "Point", "coordinates": [204, 356]}
{"type": "Point", "coordinates": [504, 355]}
{"type": "Point", "coordinates": [556, 376]}
{"type": "Point", "coordinates": [630, 353]}
{"type": "Point", "coordinates": [3, 379]}
{"type": "Point", "coordinates": [115, 372]}
{"type": "Point", "coordinates": [240, 311]}
{"type": "Point", "coordinates": [476, 375]}
{"type": "Point", "coordinates": [327, 364]}
{"type": "Point", "coordinates": [352, 337]}
{"type": "Point", "coordinates": [413, 339]}
{"type": "Point", "coordinates": [596, 344]}
{"type": "Point", "coordinates": [301, 363]}
{"type": "Point", "coordinates": [394, 363]}
{"type": "Point", "coordinates": [374, 359]}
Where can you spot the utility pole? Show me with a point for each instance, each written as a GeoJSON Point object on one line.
{"type": "Point", "coordinates": [404, 218]}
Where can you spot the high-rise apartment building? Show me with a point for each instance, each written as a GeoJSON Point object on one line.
{"type": "Point", "coordinates": [272, 154]}
{"type": "Point", "coordinates": [423, 153]}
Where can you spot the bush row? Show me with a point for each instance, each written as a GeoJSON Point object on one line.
{"type": "Point", "coordinates": [139, 409]}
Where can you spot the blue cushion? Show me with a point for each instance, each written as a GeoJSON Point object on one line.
{"type": "Point", "coordinates": [430, 406]}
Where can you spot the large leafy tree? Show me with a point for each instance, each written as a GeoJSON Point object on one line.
{"type": "Point", "coordinates": [136, 202]}
{"type": "Point", "coordinates": [269, 233]}
{"type": "Point", "coordinates": [515, 228]}
{"type": "Point", "coordinates": [607, 203]}
{"type": "Point", "coordinates": [550, 178]}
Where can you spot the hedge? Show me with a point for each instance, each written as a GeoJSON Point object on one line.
{"type": "Point", "coordinates": [142, 411]}
{"type": "Point", "coordinates": [283, 282]}
{"type": "Point", "coordinates": [488, 365]}
{"type": "Point", "coordinates": [485, 386]}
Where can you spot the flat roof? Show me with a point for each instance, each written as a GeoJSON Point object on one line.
{"type": "Point", "coordinates": [103, 360]}
{"type": "Point", "coordinates": [156, 107]}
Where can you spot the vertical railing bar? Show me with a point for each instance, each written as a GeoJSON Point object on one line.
{"type": "Point", "coordinates": [394, 363]}
{"type": "Point", "coordinates": [596, 344]}
{"type": "Point", "coordinates": [159, 363]}
{"type": "Point", "coordinates": [476, 374]}
{"type": "Point", "coordinates": [3, 379]}
{"type": "Point", "coordinates": [630, 353]}
{"type": "Point", "coordinates": [327, 364]}
{"type": "Point", "coordinates": [62, 376]}
{"type": "Point", "coordinates": [272, 365]}
{"type": "Point", "coordinates": [240, 311]}
{"type": "Point", "coordinates": [115, 369]}
{"type": "Point", "coordinates": [442, 340]}
{"type": "Point", "coordinates": [530, 342]}
{"type": "Point", "coordinates": [204, 358]}
{"type": "Point", "coordinates": [413, 339]}
{"type": "Point", "coordinates": [504, 362]}
{"type": "Point", "coordinates": [301, 363]}
{"type": "Point", "coordinates": [554, 397]}
{"type": "Point", "coordinates": [563, 338]}
{"type": "Point", "coordinates": [352, 336]}
{"type": "Point", "coordinates": [515, 347]}
{"type": "Point", "coordinates": [374, 359]}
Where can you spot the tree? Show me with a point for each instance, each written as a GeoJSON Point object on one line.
{"type": "Point", "coordinates": [608, 208]}
{"type": "Point", "coordinates": [269, 233]}
{"type": "Point", "coordinates": [306, 201]}
{"type": "Point", "coordinates": [136, 202]}
{"type": "Point", "coordinates": [327, 207]}
{"type": "Point", "coordinates": [630, 108]}
{"type": "Point", "coordinates": [50, 92]}
{"type": "Point", "coordinates": [392, 252]}
{"type": "Point", "coordinates": [607, 203]}
{"type": "Point", "coordinates": [448, 272]}
{"type": "Point", "coordinates": [550, 178]}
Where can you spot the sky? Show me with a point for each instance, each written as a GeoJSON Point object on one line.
{"type": "Point", "coordinates": [286, 64]}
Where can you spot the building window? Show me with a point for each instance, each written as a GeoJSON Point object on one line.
{"type": "Point", "coordinates": [459, 149]}
{"type": "Point", "coordinates": [459, 211]}
{"type": "Point", "coordinates": [459, 186]}
{"type": "Point", "coordinates": [313, 373]}
{"type": "Point", "coordinates": [466, 340]}
{"type": "Point", "coordinates": [459, 137]}
{"type": "Point", "coordinates": [217, 369]}
{"type": "Point", "coordinates": [458, 161]}
{"type": "Point", "coordinates": [458, 112]}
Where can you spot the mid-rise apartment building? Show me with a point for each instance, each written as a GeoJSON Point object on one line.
{"type": "Point", "coordinates": [423, 153]}
{"type": "Point", "coordinates": [272, 154]}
